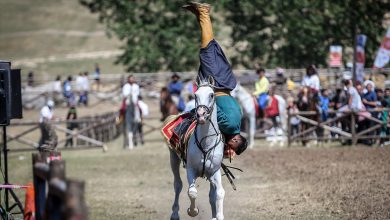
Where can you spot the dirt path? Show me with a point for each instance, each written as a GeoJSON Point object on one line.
{"type": "Point", "coordinates": [278, 183]}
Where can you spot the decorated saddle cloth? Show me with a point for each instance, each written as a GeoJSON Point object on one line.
{"type": "Point", "coordinates": [177, 131]}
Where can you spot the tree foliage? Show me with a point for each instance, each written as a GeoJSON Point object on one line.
{"type": "Point", "coordinates": [158, 35]}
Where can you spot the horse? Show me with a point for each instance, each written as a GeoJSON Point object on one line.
{"type": "Point", "coordinates": [204, 156]}
{"type": "Point", "coordinates": [131, 122]}
{"type": "Point", "coordinates": [308, 101]}
{"type": "Point", "coordinates": [167, 105]}
{"type": "Point", "coordinates": [246, 101]}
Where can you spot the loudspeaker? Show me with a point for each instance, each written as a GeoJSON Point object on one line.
{"type": "Point", "coordinates": [10, 93]}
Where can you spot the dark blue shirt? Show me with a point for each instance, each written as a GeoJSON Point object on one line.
{"type": "Point", "coordinates": [371, 97]}
{"type": "Point", "coordinates": [175, 88]}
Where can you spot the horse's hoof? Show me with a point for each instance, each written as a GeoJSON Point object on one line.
{"type": "Point", "coordinates": [193, 213]}
{"type": "Point", "coordinates": [175, 217]}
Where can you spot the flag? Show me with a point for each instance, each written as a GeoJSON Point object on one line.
{"type": "Point", "coordinates": [335, 56]}
{"type": "Point", "coordinates": [360, 57]}
{"type": "Point", "coordinates": [383, 56]}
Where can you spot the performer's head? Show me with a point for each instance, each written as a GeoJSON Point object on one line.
{"type": "Point", "coordinates": [237, 142]}
{"type": "Point", "coordinates": [260, 72]}
{"type": "Point", "coordinates": [175, 77]}
{"type": "Point", "coordinates": [131, 79]}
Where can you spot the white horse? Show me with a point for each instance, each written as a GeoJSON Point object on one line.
{"type": "Point", "coordinates": [131, 123]}
{"type": "Point", "coordinates": [204, 156]}
{"type": "Point", "coordinates": [246, 101]}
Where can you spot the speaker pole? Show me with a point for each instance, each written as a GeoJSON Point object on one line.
{"type": "Point", "coordinates": [5, 152]}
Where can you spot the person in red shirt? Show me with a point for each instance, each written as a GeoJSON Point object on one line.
{"type": "Point", "coordinates": [272, 109]}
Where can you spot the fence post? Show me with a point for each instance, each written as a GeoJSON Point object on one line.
{"type": "Point", "coordinates": [353, 128]}
{"type": "Point", "coordinates": [289, 130]}
{"type": "Point", "coordinates": [39, 187]}
{"type": "Point", "coordinates": [75, 206]}
{"type": "Point", "coordinates": [55, 204]}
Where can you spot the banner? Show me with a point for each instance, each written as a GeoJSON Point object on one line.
{"type": "Point", "coordinates": [383, 56]}
{"type": "Point", "coordinates": [360, 57]}
{"type": "Point", "coordinates": [335, 56]}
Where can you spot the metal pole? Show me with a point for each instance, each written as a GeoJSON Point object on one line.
{"type": "Point", "coordinates": [5, 151]}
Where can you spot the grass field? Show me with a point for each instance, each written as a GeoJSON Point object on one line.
{"type": "Point", "coordinates": [44, 28]}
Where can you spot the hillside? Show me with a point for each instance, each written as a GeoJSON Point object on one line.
{"type": "Point", "coordinates": [54, 38]}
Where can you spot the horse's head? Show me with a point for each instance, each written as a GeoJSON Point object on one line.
{"type": "Point", "coordinates": [204, 100]}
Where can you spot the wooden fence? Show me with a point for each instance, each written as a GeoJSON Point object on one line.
{"type": "Point", "coordinates": [92, 132]}
{"type": "Point", "coordinates": [56, 197]}
{"type": "Point", "coordinates": [350, 126]}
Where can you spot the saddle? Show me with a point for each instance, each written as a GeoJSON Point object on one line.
{"type": "Point", "coordinates": [177, 131]}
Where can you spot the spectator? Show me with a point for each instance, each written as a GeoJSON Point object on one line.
{"type": "Point", "coordinates": [97, 76]}
{"type": "Point", "coordinates": [190, 104]}
{"type": "Point", "coordinates": [138, 130]}
{"type": "Point", "coordinates": [339, 99]}
{"type": "Point", "coordinates": [85, 87]}
{"type": "Point", "coordinates": [261, 88]}
{"type": "Point", "coordinates": [380, 97]}
{"type": "Point", "coordinates": [48, 135]}
{"type": "Point", "coordinates": [57, 90]}
{"type": "Point", "coordinates": [175, 87]}
{"type": "Point", "coordinates": [294, 120]}
{"type": "Point", "coordinates": [272, 110]}
{"type": "Point", "coordinates": [311, 79]}
{"type": "Point", "coordinates": [370, 98]}
{"type": "Point", "coordinates": [280, 82]}
{"type": "Point", "coordinates": [354, 99]}
{"type": "Point", "coordinates": [72, 115]}
{"type": "Point", "coordinates": [386, 99]}
{"type": "Point", "coordinates": [324, 104]}
{"type": "Point", "coordinates": [67, 91]}
{"type": "Point", "coordinates": [30, 78]}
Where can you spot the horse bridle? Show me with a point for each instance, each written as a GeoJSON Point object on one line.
{"type": "Point", "coordinates": [209, 111]}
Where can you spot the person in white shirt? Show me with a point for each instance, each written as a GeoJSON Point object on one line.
{"type": "Point", "coordinates": [48, 135]}
{"type": "Point", "coordinates": [131, 90]}
{"type": "Point", "coordinates": [130, 93]}
{"type": "Point", "coordinates": [311, 79]}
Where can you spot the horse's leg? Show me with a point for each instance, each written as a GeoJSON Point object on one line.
{"type": "Point", "coordinates": [252, 129]}
{"type": "Point", "coordinates": [135, 133]}
{"type": "Point", "coordinates": [216, 196]}
{"type": "Point", "coordinates": [177, 183]}
{"type": "Point", "coordinates": [125, 141]}
{"type": "Point", "coordinates": [192, 192]}
{"type": "Point", "coordinates": [130, 139]}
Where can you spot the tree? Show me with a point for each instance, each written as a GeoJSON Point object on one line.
{"type": "Point", "coordinates": [296, 33]}
{"type": "Point", "coordinates": [158, 35]}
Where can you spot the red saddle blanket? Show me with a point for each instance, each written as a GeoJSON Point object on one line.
{"type": "Point", "coordinates": [177, 131]}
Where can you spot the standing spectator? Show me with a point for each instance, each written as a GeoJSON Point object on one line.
{"type": "Point", "coordinates": [48, 135]}
{"type": "Point", "coordinates": [324, 104]}
{"type": "Point", "coordinates": [311, 79]}
{"type": "Point", "coordinates": [97, 76]}
{"type": "Point", "coordinates": [30, 78]}
{"type": "Point", "coordinates": [85, 87]}
{"type": "Point", "coordinates": [72, 115]}
{"type": "Point", "coordinates": [190, 104]}
{"type": "Point", "coordinates": [280, 82]}
{"type": "Point", "coordinates": [138, 129]}
{"type": "Point", "coordinates": [261, 89]}
{"type": "Point", "coordinates": [369, 98]}
{"type": "Point", "coordinates": [57, 90]}
{"type": "Point", "coordinates": [294, 120]}
{"type": "Point", "coordinates": [386, 99]}
{"type": "Point", "coordinates": [130, 93]}
{"type": "Point", "coordinates": [68, 91]}
{"type": "Point", "coordinates": [175, 87]}
{"type": "Point", "coordinates": [272, 110]}
{"type": "Point", "coordinates": [79, 87]}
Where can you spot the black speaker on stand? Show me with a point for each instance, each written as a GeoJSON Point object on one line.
{"type": "Point", "coordinates": [10, 108]}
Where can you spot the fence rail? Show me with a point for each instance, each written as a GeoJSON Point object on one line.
{"type": "Point", "coordinates": [348, 125]}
